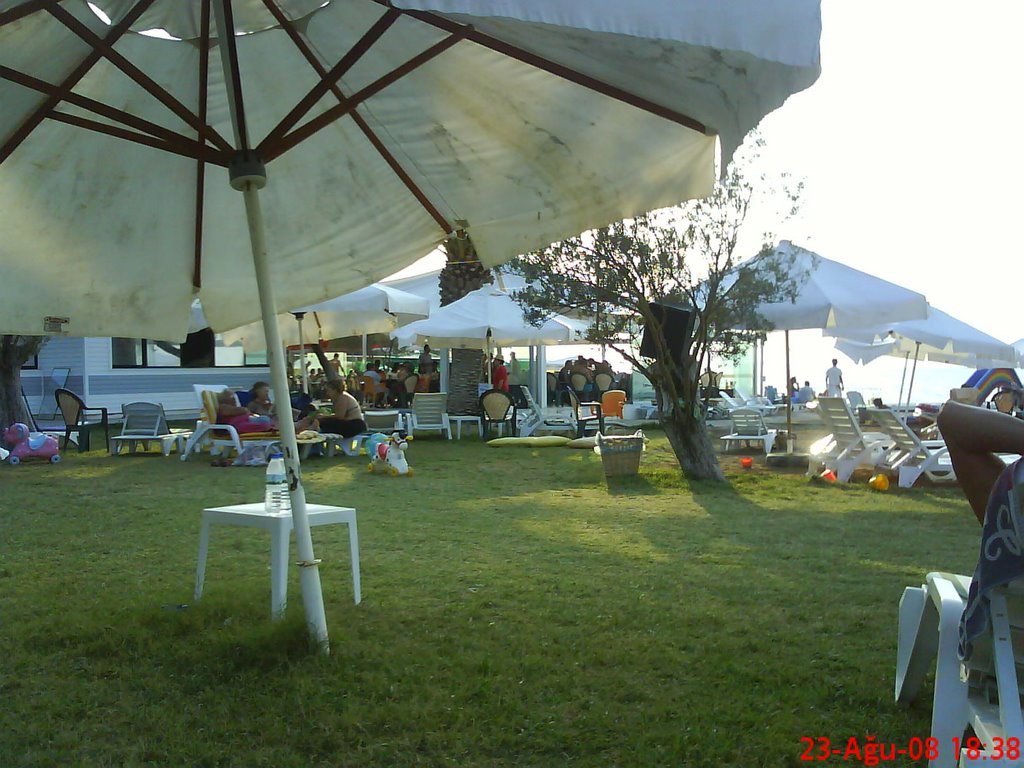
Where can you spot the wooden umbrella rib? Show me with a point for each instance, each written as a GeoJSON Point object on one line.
{"type": "Point", "coordinates": [94, 55]}
{"type": "Point", "coordinates": [25, 9]}
{"type": "Point", "coordinates": [388, 157]}
{"type": "Point", "coordinates": [138, 138]}
{"type": "Point", "coordinates": [229, 48]}
{"type": "Point", "coordinates": [104, 48]}
{"type": "Point", "coordinates": [560, 70]}
{"type": "Point", "coordinates": [129, 120]}
{"type": "Point", "coordinates": [320, 122]}
{"type": "Point", "coordinates": [204, 70]}
{"type": "Point", "coordinates": [328, 79]}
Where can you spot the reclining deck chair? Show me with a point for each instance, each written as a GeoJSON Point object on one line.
{"type": "Point", "coordinates": [910, 456]}
{"type": "Point", "coordinates": [971, 629]}
{"type": "Point", "coordinates": [848, 448]}
{"type": "Point", "coordinates": [759, 402]}
{"type": "Point", "coordinates": [531, 418]}
{"type": "Point", "coordinates": [221, 436]}
{"type": "Point", "coordinates": [748, 427]}
{"type": "Point", "coordinates": [146, 423]}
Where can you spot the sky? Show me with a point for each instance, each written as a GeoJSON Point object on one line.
{"type": "Point", "coordinates": [909, 147]}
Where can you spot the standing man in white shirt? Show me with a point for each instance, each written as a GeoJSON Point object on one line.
{"type": "Point", "coordinates": [834, 380]}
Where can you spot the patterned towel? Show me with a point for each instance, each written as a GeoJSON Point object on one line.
{"type": "Point", "coordinates": [1001, 559]}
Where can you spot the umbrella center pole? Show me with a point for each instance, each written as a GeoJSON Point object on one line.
{"type": "Point", "coordinates": [247, 174]}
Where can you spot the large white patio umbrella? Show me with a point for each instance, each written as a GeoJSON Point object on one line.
{"type": "Point", "coordinates": [939, 337]}
{"type": "Point", "coordinates": [376, 308]}
{"type": "Point", "coordinates": [829, 295]}
{"type": "Point", "coordinates": [377, 129]}
{"type": "Point", "coordinates": [484, 317]}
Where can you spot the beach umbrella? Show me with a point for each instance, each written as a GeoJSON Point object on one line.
{"type": "Point", "coordinates": [939, 337]}
{"type": "Point", "coordinates": [360, 134]}
{"type": "Point", "coordinates": [481, 318]}
{"type": "Point", "coordinates": [376, 308]}
{"type": "Point", "coordinates": [829, 295]}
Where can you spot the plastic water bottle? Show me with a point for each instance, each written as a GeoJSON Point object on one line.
{"type": "Point", "coordinates": [277, 497]}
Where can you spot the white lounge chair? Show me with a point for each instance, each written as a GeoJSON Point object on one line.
{"type": "Point", "coordinates": [848, 447]}
{"type": "Point", "coordinates": [730, 404]}
{"type": "Point", "coordinates": [982, 690]}
{"type": "Point", "coordinates": [760, 402]}
{"type": "Point", "coordinates": [221, 437]}
{"type": "Point", "coordinates": [531, 419]}
{"type": "Point", "coordinates": [911, 456]}
{"type": "Point", "coordinates": [146, 423]}
{"type": "Point", "coordinates": [748, 427]}
{"type": "Point", "coordinates": [429, 413]}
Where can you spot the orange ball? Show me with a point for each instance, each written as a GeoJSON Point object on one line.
{"type": "Point", "coordinates": [879, 482]}
{"type": "Point", "coordinates": [828, 475]}
{"type": "Point", "coordinates": [746, 462]}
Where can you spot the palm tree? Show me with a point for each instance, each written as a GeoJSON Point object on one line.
{"type": "Point", "coordinates": [462, 274]}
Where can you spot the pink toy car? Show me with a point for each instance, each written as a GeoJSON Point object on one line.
{"type": "Point", "coordinates": [25, 444]}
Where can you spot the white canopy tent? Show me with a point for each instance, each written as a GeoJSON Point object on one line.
{"type": "Point", "coordinates": [386, 126]}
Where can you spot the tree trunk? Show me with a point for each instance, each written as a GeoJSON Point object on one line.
{"type": "Point", "coordinates": [691, 443]}
{"type": "Point", "coordinates": [462, 274]}
{"type": "Point", "coordinates": [15, 352]}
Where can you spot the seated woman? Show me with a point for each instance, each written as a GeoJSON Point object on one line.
{"type": "Point", "coordinates": [246, 422]}
{"type": "Point", "coordinates": [259, 400]}
{"type": "Point", "coordinates": [347, 420]}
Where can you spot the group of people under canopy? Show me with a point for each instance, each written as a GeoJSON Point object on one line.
{"type": "Point", "coordinates": [260, 414]}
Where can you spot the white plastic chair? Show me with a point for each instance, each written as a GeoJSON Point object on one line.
{"type": "Point", "coordinates": [748, 427]}
{"type": "Point", "coordinates": [429, 413]}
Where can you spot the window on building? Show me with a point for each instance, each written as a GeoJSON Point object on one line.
{"type": "Point", "coordinates": [202, 349]}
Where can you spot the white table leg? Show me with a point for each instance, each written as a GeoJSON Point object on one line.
{"type": "Point", "coordinates": [280, 535]}
{"type": "Point", "coordinates": [353, 544]}
{"type": "Point", "coordinates": [204, 545]}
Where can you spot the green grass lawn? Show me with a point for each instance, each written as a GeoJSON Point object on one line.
{"type": "Point", "coordinates": [516, 612]}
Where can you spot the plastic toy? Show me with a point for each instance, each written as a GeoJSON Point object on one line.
{"type": "Point", "coordinates": [388, 453]}
{"type": "Point", "coordinates": [25, 444]}
{"type": "Point", "coordinates": [879, 482]}
{"type": "Point", "coordinates": [828, 475]}
{"type": "Point", "coordinates": [746, 462]}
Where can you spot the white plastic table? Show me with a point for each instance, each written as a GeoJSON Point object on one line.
{"type": "Point", "coordinates": [458, 421]}
{"type": "Point", "coordinates": [280, 526]}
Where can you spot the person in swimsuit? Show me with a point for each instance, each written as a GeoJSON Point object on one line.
{"type": "Point", "coordinates": [245, 422]}
{"type": "Point", "coordinates": [347, 420]}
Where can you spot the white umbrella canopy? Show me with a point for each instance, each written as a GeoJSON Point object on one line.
{"type": "Point", "coordinates": [539, 121]}
{"type": "Point", "coordinates": [482, 317]}
{"type": "Point", "coordinates": [374, 309]}
{"type": "Point", "coordinates": [831, 294]}
{"type": "Point", "coordinates": [939, 338]}
{"type": "Point", "coordinates": [385, 126]}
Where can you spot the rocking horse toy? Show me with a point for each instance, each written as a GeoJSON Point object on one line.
{"type": "Point", "coordinates": [25, 444]}
{"type": "Point", "coordinates": [388, 453]}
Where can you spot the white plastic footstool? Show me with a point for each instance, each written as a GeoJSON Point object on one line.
{"type": "Point", "coordinates": [280, 527]}
{"type": "Point", "coordinates": [457, 421]}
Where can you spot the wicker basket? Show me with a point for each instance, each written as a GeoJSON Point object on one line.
{"type": "Point", "coordinates": [620, 455]}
